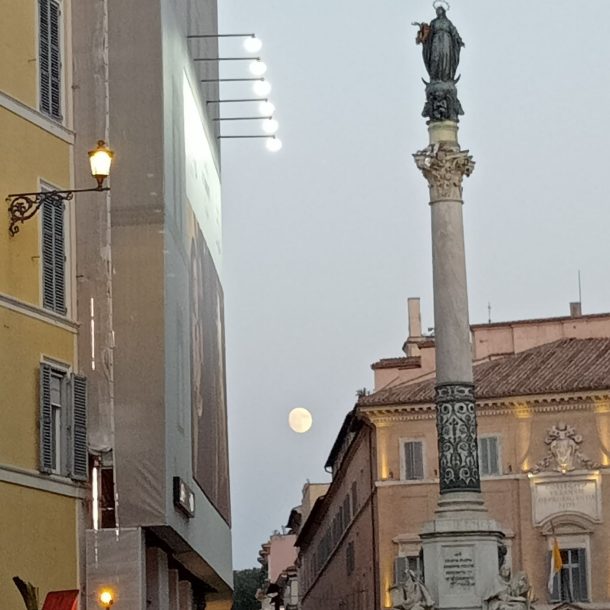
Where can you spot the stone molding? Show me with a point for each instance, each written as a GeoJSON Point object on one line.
{"type": "Point", "coordinates": [386, 415]}
{"type": "Point", "coordinates": [444, 166]}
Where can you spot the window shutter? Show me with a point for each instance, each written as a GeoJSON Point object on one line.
{"type": "Point", "coordinates": [53, 256]}
{"type": "Point", "coordinates": [46, 450]}
{"type": "Point", "coordinates": [80, 454]}
{"type": "Point", "coordinates": [582, 574]}
{"type": "Point", "coordinates": [401, 564]}
{"type": "Point", "coordinates": [483, 456]}
{"type": "Point", "coordinates": [347, 517]}
{"type": "Point", "coordinates": [414, 463]}
{"type": "Point", "coordinates": [354, 497]}
{"type": "Point", "coordinates": [492, 449]}
{"type": "Point", "coordinates": [43, 52]}
{"type": "Point", "coordinates": [55, 53]}
{"type": "Point", "coordinates": [59, 257]}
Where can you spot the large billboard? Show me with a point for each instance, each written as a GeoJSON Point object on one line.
{"type": "Point", "coordinates": [207, 346]}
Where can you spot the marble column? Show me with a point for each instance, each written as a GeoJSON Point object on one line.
{"type": "Point", "coordinates": [461, 544]}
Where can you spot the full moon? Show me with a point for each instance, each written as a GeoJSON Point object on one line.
{"type": "Point", "coordinates": [300, 420]}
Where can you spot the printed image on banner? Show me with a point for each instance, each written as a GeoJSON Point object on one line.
{"type": "Point", "coordinates": [208, 379]}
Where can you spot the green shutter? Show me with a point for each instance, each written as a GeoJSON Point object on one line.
{"type": "Point", "coordinates": [53, 256]}
{"type": "Point", "coordinates": [55, 57]}
{"type": "Point", "coordinates": [414, 463]}
{"type": "Point", "coordinates": [80, 454]}
{"type": "Point", "coordinates": [43, 56]}
{"type": "Point", "coordinates": [401, 564]}
{"type": "Point", "coordinates": [46, 450]}
{"type": "Point", "coordinates": [49, 57]}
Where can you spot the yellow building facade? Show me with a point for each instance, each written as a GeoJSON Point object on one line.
{"type": "Point", "coordinates": [42, 470]}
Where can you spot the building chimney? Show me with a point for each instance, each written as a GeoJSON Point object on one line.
{"type": "Point", "coordinates": [414, 317]}
{"type": "Point", "coordinates": [410, 347]}
{"type": "Point", "coordinates": [576, 309]}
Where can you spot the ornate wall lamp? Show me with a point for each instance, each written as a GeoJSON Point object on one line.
{"type": "Point", "coordinates": [23, 206]}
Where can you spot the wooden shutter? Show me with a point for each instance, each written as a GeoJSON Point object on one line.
{"type": "Point", "coordinates": [414, 464]}
{"type": "Point", "coordinates": [582, 594]}
{"type": "Point", "coordinates": [401, 564]}
{"type": "Point", "coordinates": [80, 454]}
{"type": "Point", "coordinates": [347, 516]}
{"type": "Point", "coordinates": [354, 497]}
{"type": "Point", "coordinates": [44, 36]}
{"type": "Point", "coordinates": [488, 455]}
{"type": "Point", "coordinates": [49, 52]}
{"type": "Point", "coordinates": [46, 449]}
{"type": "Point", "coordinates": [53, 256]}
{"type": "Point", "coordinates": [55, 59]}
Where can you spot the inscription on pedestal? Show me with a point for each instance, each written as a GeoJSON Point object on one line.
{"type": "Point", "coordinates": [458, 568]}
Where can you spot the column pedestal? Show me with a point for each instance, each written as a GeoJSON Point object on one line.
{"type": "Point", "coordinates": [461, 552]}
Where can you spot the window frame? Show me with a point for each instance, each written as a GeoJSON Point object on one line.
{"type": "Point", "coordinates": [581, 553]}
{"type": "Point", "coordinates": [403, 458]}
{"type": "Point", "coordinates": [64, 459]}
{"type": "Point", "coordinates": [498, 438]}
{"type": "Point", "coordinates": [571, 543]}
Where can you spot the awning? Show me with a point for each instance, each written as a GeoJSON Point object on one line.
{"type": "Point", "coordinates": [61, 600]}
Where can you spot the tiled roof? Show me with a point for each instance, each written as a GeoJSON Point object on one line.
{"type": "Point", "coordinates": [399, 362]}
{"type": "Point", "coordinates": [568, 365]}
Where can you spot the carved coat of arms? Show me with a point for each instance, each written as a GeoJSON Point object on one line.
{"type": "Point", "coordinates": [564, 452]}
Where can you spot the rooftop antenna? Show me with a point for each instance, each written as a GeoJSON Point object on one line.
{"type": "Point", "coordinates": [579, 289]}
{"type": "Point", "coordinates": [489, 312]}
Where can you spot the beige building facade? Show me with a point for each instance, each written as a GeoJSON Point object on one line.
{"type": "Point", "coordinates": [543, 398]}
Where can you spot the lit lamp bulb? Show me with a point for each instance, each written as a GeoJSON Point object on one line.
{"type": "Point", "coordinates": [266, 107]}
{"type": "Point", "coordinates": [100, 160]}
{"type": "Point", "coordinates": [274, 144]}
{"type": "Point", "coordinates": [252, 44]}
{"type": "Point", "coordinates": [258, 67]}
{"type": "Point", "coordinates": [262, 87]}
{"type": "Point", "coordinates": [106, 599]}
{"type": "Point", "coordinates": [270, 126]}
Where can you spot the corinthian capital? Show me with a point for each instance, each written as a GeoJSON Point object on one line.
{"type": "Point", "coordinates": [444, 167]}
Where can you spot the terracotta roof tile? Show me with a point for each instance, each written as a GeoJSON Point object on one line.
{"type": "Point", "coordinates": [566, 365]}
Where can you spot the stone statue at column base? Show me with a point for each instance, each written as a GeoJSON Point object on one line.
{"type": "Point", "coordinates": [510, 593]}
{"type": "Point", "coordinates": [411, 594]}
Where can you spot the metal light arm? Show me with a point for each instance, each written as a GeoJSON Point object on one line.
{"type": "Point", "coordinates": [245, 99]}
{"type": "Point", "coordinates": [230, 80]}
{"type": "Point", "coordinates": [221, 36]}
{"type": "Point", "coordinates": [243, 118]}
{"type": "Point", "coordinates": [246, 137]}
{"type": "Point", "coordinates": [23, 206]}
{"type": "Point", "coordinates": [226, 59]}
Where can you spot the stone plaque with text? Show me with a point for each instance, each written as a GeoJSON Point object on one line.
{"type": "Point", "coordinates": [566, 494]}
{"type": "Point", "coordinates": [458, 567]}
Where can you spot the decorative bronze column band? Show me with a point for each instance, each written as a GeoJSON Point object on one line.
{"type": "Point", "coordinates": [456, 425]}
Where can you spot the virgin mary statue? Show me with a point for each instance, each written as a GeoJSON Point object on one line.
{"type": "Point", "coordinates": [441, 47]}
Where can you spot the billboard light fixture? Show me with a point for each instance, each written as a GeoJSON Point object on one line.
{"type": "Point", "coordinates": [231, 80]}
{"type": "Point", "coordinates": [257, 67]}
{"type": "Point", "coordinates": [243, 118]}
{"type": "Point", "coordinates": [243, 99]}
{"type": "Point", "coordinates": [273, 142]}
{"type": "Point", "coordinates": [226, 59]}
{"type": "Point", "coordinates": [252, 44]}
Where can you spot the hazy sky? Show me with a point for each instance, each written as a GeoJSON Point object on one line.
{"type": "Point", "coordinates": [325, 240]}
